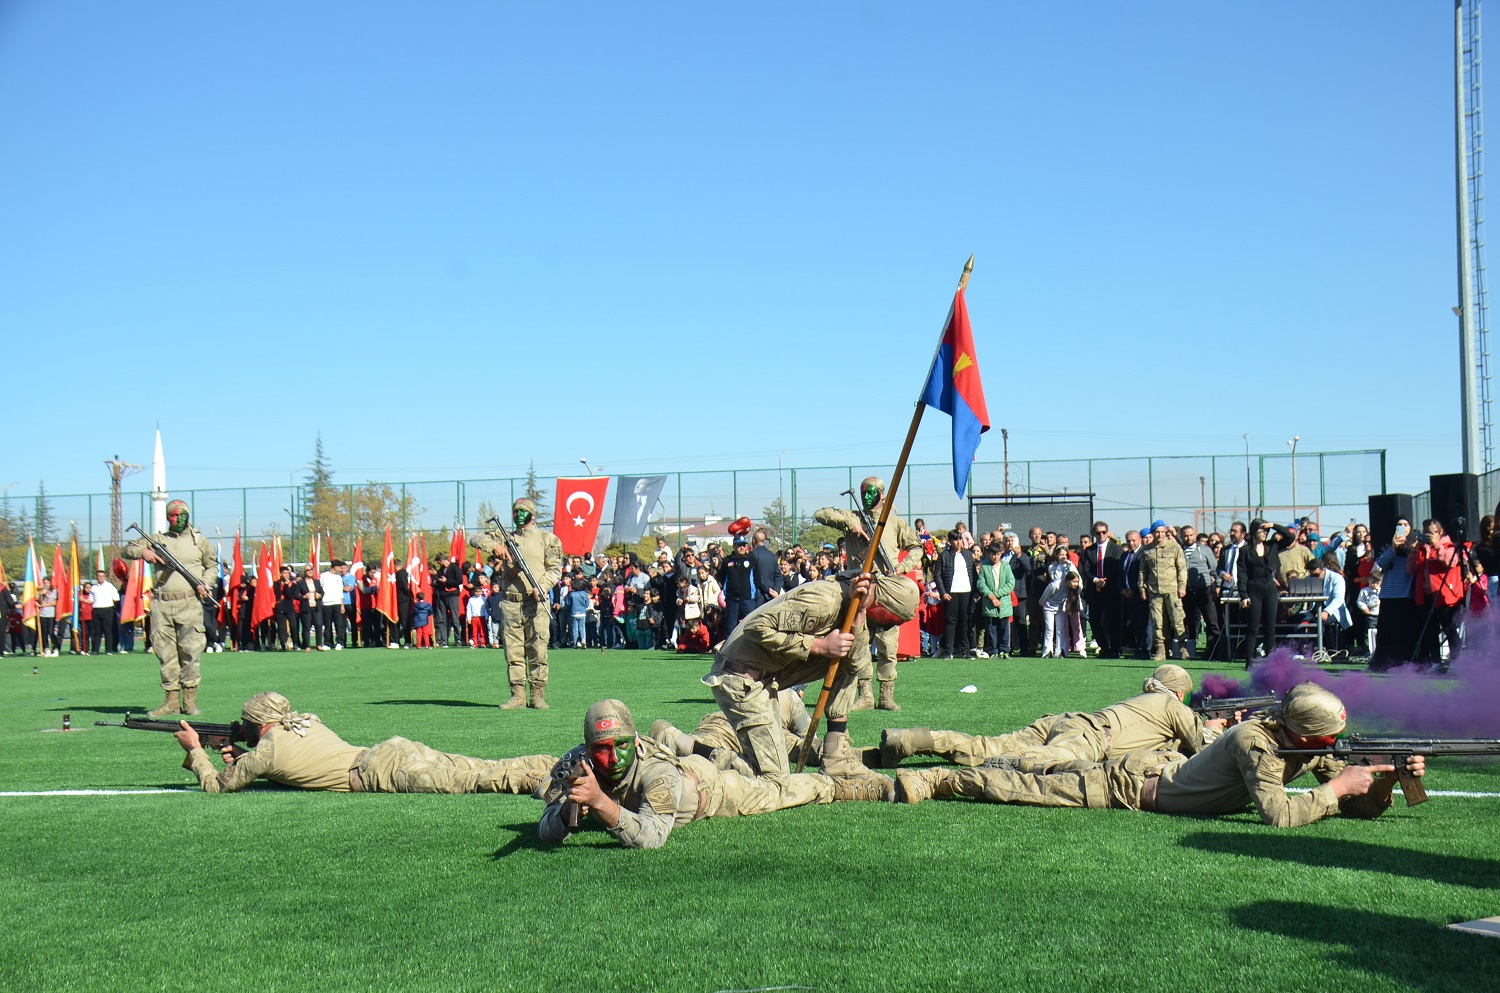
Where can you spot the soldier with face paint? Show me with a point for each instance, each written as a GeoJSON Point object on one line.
{"type": "Point", "coordinates": [1240, 769]}
{"type": "Point", "coordinates": [524, 620]}
{"type": "Point", "coordinates": [897, 537]}
{"type": "Point", "coordinates": [639, 791]}
{"type": "Point", "coordinates": [177, 632]}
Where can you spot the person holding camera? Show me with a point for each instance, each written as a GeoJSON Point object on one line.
{"type": "Point", "coordinates": [1399, 622]}
{"type": "Point", "coordinates": [1439, 577]}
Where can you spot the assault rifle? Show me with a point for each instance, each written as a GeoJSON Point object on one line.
{"type": "Point", "coordinates": [564, 775]}
{"type": "Point", "coordinates": [868, 523]}
{"type": "Point", "coordinates": [1371, 750]}
{"type": "Point", "coordinates": [1224, 708]}
{"type": "Point", "coordinates": [170, 561]}
{"type": "Point", "coordinates": [515, 554]}
{"type": "Point", "coordinates": [213, 736]}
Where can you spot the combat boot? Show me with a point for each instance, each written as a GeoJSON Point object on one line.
{"type": "Point", "coordinates": [664, 733]}
{"type": "Point", "coordinates": [923, 784]}
{"type": "Point", "coordinates": [538, 699]}
{"type": "Point", "coordinates": [863, 700]}
{"type": "Point", "coordinates": [888, 695]}
{"type": "Point", "coordinates": [897, 744]}
{"type": "Point", "coordinates": [190, 701]}
{"type": "Point", "coordinates": [839, 760]}
{"type": "Point", "coordinates": [517, 697]}
{"type": "Point", "coordinates": [881, 789]}
{"type": "Point", "coordinates": [168, 708]}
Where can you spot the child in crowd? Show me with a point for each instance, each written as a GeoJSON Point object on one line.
{"type": "Point", "coordinates": [421, 621]}
{"type": "Point", "coordinates": [591, 625]}
{"type": "Point", "coordinates": [1054, 601]}
{"type": "Point", "coordinates": [693, 639]}
{"type": "Point", "coordinates": [608, 632]}
{"type": "Point", "coordinates": [492, 611]}
{"type": "Point", "coordinates": [578, 613]}
{"type": "Point", "coordinates": [1479, 590]}
{"type": "Point", "coordinates": [933, 619]}
{"type": "Point", "coordinates": [1369, 605]}
{"type": "Point", "coordinates": [474, 611]}
{"type": "Point", "coordinates": [1071, 631]}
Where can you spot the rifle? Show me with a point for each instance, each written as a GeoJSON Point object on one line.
{"type": "Point", "coordinates": [213, 736]}
{"type": "Point", "coordinates": [515, 554]}
{"type": "Point", "coordinates": [868, 523]}
{"type": "Point", "coordinates": [1224, 708]}
{"type": "Point", "coordinates": [1362, 750]}
{"type": "Point", "coordinates": [170, 561]}
{"type": "Point", "coordinates": [564, 775]}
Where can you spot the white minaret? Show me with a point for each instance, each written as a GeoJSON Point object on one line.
{"type": "Point", "coordinates": [158, 488]}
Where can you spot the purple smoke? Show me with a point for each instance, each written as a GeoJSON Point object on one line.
{"type": "Point", "coordinates": [1221, 687]}
{"type": "Point", "coordinates": [1464, 704]}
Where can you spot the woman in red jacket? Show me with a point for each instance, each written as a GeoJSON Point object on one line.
{"type": "Point", "coordinates": [1438, 579]}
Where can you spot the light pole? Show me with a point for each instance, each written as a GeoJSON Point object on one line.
{"type": "Point", "coordinates": [591, 470]}
{"type": "Point", "coordinates": [1248, 504]}
{"type": "Point", "coordinates": [1295, 438]}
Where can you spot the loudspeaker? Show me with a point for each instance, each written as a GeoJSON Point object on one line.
{"type": "Point", "coordinates": [1385, 509]}
{"type": "Point", "coordinates": [1455, 504]}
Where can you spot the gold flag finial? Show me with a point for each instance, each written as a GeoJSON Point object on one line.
{"type": "Point", "coordinates": [968, 269]}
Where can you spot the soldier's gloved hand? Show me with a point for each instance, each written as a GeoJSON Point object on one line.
{"type": "Point", "coordinates": [834, 644]}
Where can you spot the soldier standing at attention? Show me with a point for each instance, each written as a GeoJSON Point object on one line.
{"type": "Point", "coordinates": [177, 633]}
{"type": "Point", "coordinates": [897, 537]}
{"type": "Point", "coordinates": [298, 750]}
{"type": "Point", "coordinates": [524, 623]}
{"type": "Point", "coordinates": [1164, 582]}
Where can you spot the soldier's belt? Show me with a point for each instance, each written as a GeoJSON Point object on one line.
{"type": "Point", "coordinates": [1148, 792]}
{"type": "Point", "coordinates": [168, 597]}
{"type": "Point", "coordinates": [515, 597]}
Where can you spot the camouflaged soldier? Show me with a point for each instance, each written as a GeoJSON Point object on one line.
{"type": "Point", "coordinates": [1154, 720]}
{"type": "Point", "coordinates": [525, 622]}
{"type": "Point", "coordinates": [789, 641]}
{"type": "Point", "coordinates": [177, 632]}
{"type": "Point", "coordinates": [714, 731]}
{"type": "Point", "coordinates": [1164, 582]}
{"type": "Point", "coordinates": [298, 750]}
{"type": "Point", "coordinates": [638, 790]}
{"type": "Point", "coordinates": [1240, 769]}
{"type": "Point", "coordinates": [897, 537]}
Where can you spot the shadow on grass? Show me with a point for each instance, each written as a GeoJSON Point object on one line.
{"type": "Point", "coordinates": [138, 711]}
{"type": "Point", "coordinates": [703, 699]}
{"type": "Point", "coordinates": [1340, 854]}
{"type": "Point", "coordinates": [429, 703]}
{"type": "Point", "coordinates": [525, 840]}
{"type": "Point", "coordinates": [1413, 952]}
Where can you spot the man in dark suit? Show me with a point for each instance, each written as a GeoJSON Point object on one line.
{"type": "Point", "coordinates": [1135, 608]}
{"type": "Point", "coordinates": [1100, 569]}
{"type": "Point", "coordinates": [957, 579]}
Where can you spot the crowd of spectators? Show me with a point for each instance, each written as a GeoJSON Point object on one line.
{"type": "Point", "coordinates": [1155, 592]}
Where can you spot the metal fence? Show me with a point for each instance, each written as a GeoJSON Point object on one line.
{"type": "Point", "coordinates": [1129, 491]}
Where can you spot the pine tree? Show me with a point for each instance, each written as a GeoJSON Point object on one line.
{"type": "Point", "coordinates": [44, 525]}
{"type": "Point", "coordinates": [538, 496]}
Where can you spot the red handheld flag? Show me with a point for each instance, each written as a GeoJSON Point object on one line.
{"type": "Point", "coordinates": [385, 599]}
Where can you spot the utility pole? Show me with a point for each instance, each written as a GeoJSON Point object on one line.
{"type": "Point", "coordinates": [1005, 450]}
{"type": "Point", "coordinates": [117, 471]}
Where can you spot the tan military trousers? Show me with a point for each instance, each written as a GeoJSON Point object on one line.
{"type": "Point", "coordinates": [1116, 783]}
{"type": "Point", "coordinates": [178, 639]}
{"type": "Point", "coordinates": [401, 766]}
{"type": "Point", "coordinates": [524, 628]}
{"type": "Point", "coordinates": [729, 794]}
{"type": "Point", "coordinates": [888, 640]}
{"type": "Point", "coordinates": [1055, 738]}
{"type": "Point", "coordinates": [714, 730]}
{"type": "Point", "coordinates": [1168, 608]}
{"type": "Point", "coordinates": [747, 704]}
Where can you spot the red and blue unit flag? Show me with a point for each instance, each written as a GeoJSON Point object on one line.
{"type": "Point", "coordinates": [953, 386]}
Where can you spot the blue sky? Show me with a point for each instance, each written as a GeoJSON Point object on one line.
{"type": "Point", "coordinates": [459, 237]}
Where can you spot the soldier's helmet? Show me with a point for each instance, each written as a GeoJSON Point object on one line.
{"type": "Point", "coordinates": [1311, 711]}
{"type": "Point", "coordinates": [607, 719]}
{"type": "Point", "coordinates": [524, 503]}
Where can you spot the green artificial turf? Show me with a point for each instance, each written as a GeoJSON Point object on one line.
{"type": "Point", "coordinates": [272, 890]}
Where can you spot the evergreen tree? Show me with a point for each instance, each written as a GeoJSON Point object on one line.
{"type": "Point", "coordinates": [45, 524]}
{"type": "Point", "coordinates": [538, 496]}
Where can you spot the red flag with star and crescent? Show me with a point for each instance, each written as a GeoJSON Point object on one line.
{"type": "Point", "coordinates": [385, 596]}
{"type": "Point", "coordinates": [580, 508]}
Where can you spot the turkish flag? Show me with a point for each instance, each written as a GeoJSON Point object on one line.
{"type": "Point", "coordinates": [62, 584]}
{"type": "Point", "coordinates": [236, 578]}
{"type": "Point", "coordinates": [580, 507]}
{"type": "Point", "coordinates": [385, 598]}
{"type": "Point", "coordinates": [263, 607]}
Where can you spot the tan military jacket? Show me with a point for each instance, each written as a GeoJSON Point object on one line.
{"type": "Point", "coordinates": [191, 549]}
{"type": "Point", "coordinates": [541, 549]}
{"type": "Point", "coordinates": [1242, 768]}
{"type": "Point", "coordinates": [1153, 721]}
{"type": "Point", "coordinates": [1164, 569]}
{"type": "Point", "coordinates": [777, 637]}
{"type": "Point", "coordinates": [898, 536]}
{"type": "Point", "coordinates": [654, 797]}
{"type": "Point", "coordinates": [319, 760]}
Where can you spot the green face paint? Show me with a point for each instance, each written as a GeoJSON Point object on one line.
{"type": "Point", "coordinates": [177, 517]}
{"type": "Point", "coordinates": [612, 758]}
{"type": "Point", "coordinates": [521, 516]}
{"type": "Point", "coordinates": [870, 496]}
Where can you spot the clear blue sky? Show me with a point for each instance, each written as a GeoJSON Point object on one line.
{"type": "Point", "coordinates": [458, 237]}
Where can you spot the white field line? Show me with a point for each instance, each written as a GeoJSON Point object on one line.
{"type": "Point", "coordinates": [89, 792]}
{"type": "Point", "coordinates": [1465, 793]}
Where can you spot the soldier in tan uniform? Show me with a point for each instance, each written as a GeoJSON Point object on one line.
{"type": "Point", "coordinates": [1164, 579]}
{"type": "Point", "coordinates": [298, 750]}
{"type": "Point", "coordinates": [714, 731]}
{"type": "Point", "coordinates": [1156, 719]}
{"type": "Point", "coordinates": [638, 790]}
{"type": "Point", "coordinates": [789, 641]}
{"type": "Point", "coordinates": [524, 621]}
{"type": "Point", "coordinates": [897, 537]}
{"type": "Point", "coordinates": [177, 634]}
{"type": "Point", "coordinates": [1240, 769]}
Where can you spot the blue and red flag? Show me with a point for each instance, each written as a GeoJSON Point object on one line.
{"type": "Point", "coordinates": [953, 387]}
